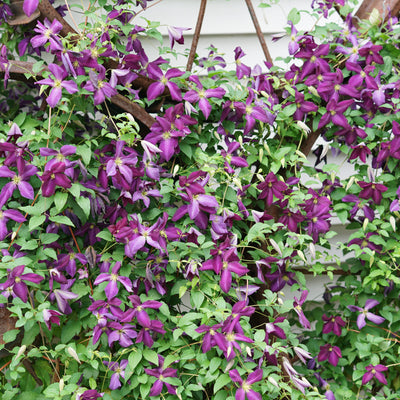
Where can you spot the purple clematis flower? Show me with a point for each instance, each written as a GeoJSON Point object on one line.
{"type": "Point", "coordinates": [30, 6]}
{"type": "Point", "coordinates": [57, 84]}
{"type": "Point", "coordinates": [111, 289]}
{"type": "Point", "coordinates": [364, 313]}
{"type": "Point", "coordinates": [119, 372]}
{"type": "Point", "coordinates": [160, 373]}
{"type": "Point", "coordinates": [47, 33]}
{"type": "Point", "coordinates": [5, 215]}
{"type": "Point", "coordinates": [245, 389]}
{"type": "Point", "coordinates": [99, 86]}
{"type": "Point", "coordinates": [156, 89]}
{"type": "Point", "coordinates": [51, 317]}
{"type": "Point", "coordinates": [271, 187]}
{"type": "Point", "coordinates": [330, 353]}
{"type": "Point", "coordinates": [333, 324]}
{"type": "Point", "coordinates": [228, 264]}
{"type": "Point", "coordinates": [91, 394]}
{"type": "Point", "coordinates": [201, 96]}
{"type": "Point", "coordinates": [52, 177]}
{"type": "Point", "coordinates": [20, 181]}
{"type": "Point", "coordinates": [16, 280]}
{"type": "Point", "coordinates": [176, 35]}
{"type": "Point", "coordinates": [375, 371]}
{"type": "Point", "coordinates": [297, 307]}
{"type": "Point", "coordinates": [62, 297]}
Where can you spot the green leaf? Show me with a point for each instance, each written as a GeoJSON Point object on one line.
{"type": "Point", "coordinates": [60, 199]}
{"type": "Point", "coordinates": [9, 336]}
{"type": "Point", "coordinates": [169, 360]}
{"type": "Point", "coordinates": [84, 203]}
{"type": "Point", "coordinates": [214, 364]}
{"type": "Point", "coordinates": [221, 382]}
{"type": "Point", "coordinates": [150, 356]}
{"type": "Point", "coordinates": [134, 359]}
{"type": "Point", "coordinates": [85, 153]}
{"type": "Point", "coordinates": [294, 16]}
{"type": "Point", "coordinates": [106, 235]}
{"type": "Point", "coordinates": [69, 330]}
{"type": "Point", "coordinates": [196, 299]}
{"type": "Point", "coordinates": [47, 238]}
{"type": "Point", "coordinates": [36, 221]}
{"type": "Point", "coordinates": [61, 219]}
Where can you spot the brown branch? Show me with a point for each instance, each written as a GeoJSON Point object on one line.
{"type": "Point", "coordinates": [196, 35]}
{"type": "Point", "coordinates": [384, 7]}
{"type": "Point", "coordinates": [49, 12]}
{"type": "Point", "coordinates": [259, 32]}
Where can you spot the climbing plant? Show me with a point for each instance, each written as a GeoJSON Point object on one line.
{"type": "Point", "coordinates": [151, 215]}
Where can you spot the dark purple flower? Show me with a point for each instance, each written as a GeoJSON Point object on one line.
{"type": "Point", "coordinates": [62, 297]}
{"type": "Point", "coordinates": [160, 373]}
{"type": "Point", "coordinates": [176, 35]}
{"type": "Point", "coordinates": [372, 190]}
{"type": "Point", "coordinates": [201, 95]}
{"type": "Point", "coordinates": [52, 177]}
{"type": "Point", "coordinates": [57, 84]}
{"type": "Point", "coordinates": [375, 371]}
{"type": "Point", "coordinates": [119, 372]}
{"type": "Point", "coordinates": [297, 307]}
{"type": "Point", "coordinates": [111, 289]}
{"type": "Point", "coordinates": [16, 280]}
{"type": "Point", "coordinates": [51, 317]}
{"type": "Point", "coordinates": [365, 314]}
{"type": "Point", "coordinates": [333, 324]}
{"type": "Point", "coordinates": [270, 188]}
{"type": "Point", "coordinates": [245, 389]}
{"type": "Point", "coordinates": [48, 33]}
{"type": "Point", "coordinates": [91, 394]}
{"type": "Point", "coordinates": [20, 181]}
{"type": "Point", "coordinates": [334, 113]}
{"type": "Point", "coordinates": [330, 353]}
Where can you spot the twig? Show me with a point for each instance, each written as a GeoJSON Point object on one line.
{"type": "Point", "coordinates": [196, 36]}
{"type": "Point", "coordinates": [258, 30]}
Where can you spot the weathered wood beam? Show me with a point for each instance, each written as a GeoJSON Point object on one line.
{"type": "Point", "coordinates": [384, 7]}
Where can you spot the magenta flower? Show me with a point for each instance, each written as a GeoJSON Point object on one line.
{"type": "Point", "coordinates": [245, 389]}
{"type": "Point", "coordinates": [330, 353]}
{"type": "Point", "coordinates": [57, 84]}
{"type": "Point", "coordinates": [99, 86]}
{"type": "Point", "coordinates": [375, 371]}
{"type": "Point", "coordinates": [62, 297]}
{"type": "Point", "coordinates": [160, 373]}
{"type": "Point", "coordinates": [333, 324]}
{"type": "Point", "coordinates": [52, 177]}
{"type": "Point", "coordinates": [30, 6]}
{"type": "Point", "coordinates": [163, 80]}
{"type": "Point", "coordinates": [20, 181]}
{"type": "Point", "coordinates": [111, 289]}
{"type": "Point", "coordinates": [201, 96]}
{"type": "Point", "coordinates": [47, 33]}
{"type": "Point", "coordinates": [16, 280]}
{"type": "Point", "coordinates": [51, 317]}
{"type": "Point", "coordinates": [226, 266]}
{"type": "Point", "coordinates": [297, 307]}
{"type": "Point", "coordinates": [119, 372]}
{"type": "Point", "coordinates": [270, 188]}
{"type": "Point", "coordinates": [176, 35]}
{"type": "Point", "coordinates": [5, 215]}
{"type": "Point", "coordinates": [364, 313]}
